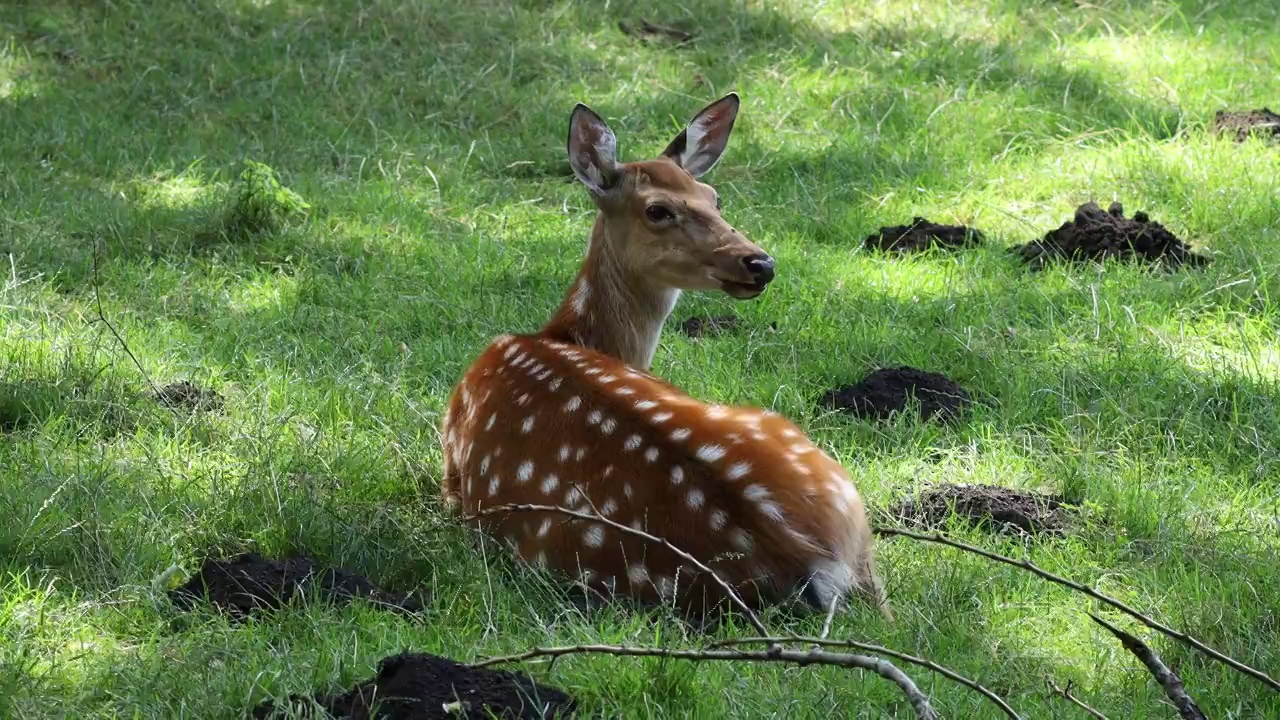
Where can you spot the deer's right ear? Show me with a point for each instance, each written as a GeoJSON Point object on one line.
{"type": "Point", "coordinates": [592, 150]}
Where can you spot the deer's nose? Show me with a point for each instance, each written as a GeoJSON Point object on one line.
{"type": "Point", "coordinates": [760, 266]}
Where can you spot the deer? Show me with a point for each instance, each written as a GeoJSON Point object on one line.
{"type": "Point", "coordinates": [570, 417]}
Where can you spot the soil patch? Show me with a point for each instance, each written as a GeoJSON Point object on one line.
{"type": "Point", "coordinates": [248, 582]}
{"type": "Point", "coordinates": [890, 390]}
{"type": "Point", "coordinates": [921, 235]}
{"type": "Point", "coordinates": [1095, 234]}
{"type": "Point", "coordinates": [1260, 123]}
{"type": "Point", "coordinates": [696, 327]}
{"type": "Point", "coordinates": [186, 395]}
{"type": "Point", "coordinates": [1001, 509]}
{"type": "Point", "coordinates": [649, 31]}
{"type": "Point", "coordinates": [417, 686]}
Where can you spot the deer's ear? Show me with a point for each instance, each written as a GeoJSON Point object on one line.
{"type": "Point", "coordinates": [592, 150]}
{"type": "Point", "coordinates": [699, 146]}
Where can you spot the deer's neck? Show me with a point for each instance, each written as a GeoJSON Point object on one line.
{"type": "Point", "coordinates": [609, 309]}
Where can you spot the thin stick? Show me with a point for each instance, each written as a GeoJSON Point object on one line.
{"type": "Point", "coordinates": [733, 596]}
{"type": "Point", "coordinates": [1167, 678]}
{"type": "Point", "coordinates": [103, 317]}
{"type": "Point", "coordinates": [1065, 693]}
{"type": "Point", "coordinates": [883, 668]}
{"type": "Point", "coordinates": [878, 650]}
{"type": "Point", "coordinates": [1145, 620]}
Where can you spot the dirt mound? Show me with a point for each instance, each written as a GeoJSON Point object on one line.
{"type": "Point", "coordinates": [890, 390]}
{"type": "Point", "coordinates": [186, 395]}
{"type": "Point", "coordinates": [1260, 123]}
{"type": "Point", "coordinates": [417, 686]}
{"type": "Point", "coordinates": [921, 235]}
{"type": "Point", "coordinates": [246, 583]}
{"type": "Point", "coordinates": [696, 327]}
{"type": "Point", "coordinates": [1096, 235]}
{"type": "Point", "coordinates": [1002, 508]}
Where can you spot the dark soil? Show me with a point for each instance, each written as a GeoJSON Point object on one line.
{"type": "Point", "coordinates": [247, 583]}
{"type": "Point", "coordinates": [889, 390]}
{"type": "Point", "coordinates": [696, 327]}
{"type": "Point", "coordinates": [1000, 508]}
{"type": "Point", "coordinates": [646, 30]}
{"type": "Point", "coordinates": [416, 686]}
{"type": "Point", "coordinates": [186, 395]}
{"type": "Point", "coordinates": [1096, 235]}
{"type": "Point", "coordinates": [1260, 123]}
{"type": "Point", "coordinates": [921, 235]}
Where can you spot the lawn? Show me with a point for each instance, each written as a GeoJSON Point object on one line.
{"type": "Point", "coordinates": [426, 138]}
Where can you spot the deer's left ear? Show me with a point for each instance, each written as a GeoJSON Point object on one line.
{"type": "Point", "coordinates": [699, 146]}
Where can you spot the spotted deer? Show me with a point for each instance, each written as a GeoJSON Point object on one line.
{"type": "Point", "coordinates": [569, 416]}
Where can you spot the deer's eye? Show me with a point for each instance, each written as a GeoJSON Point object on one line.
{"type": "Point", "coordinates": [658, 213]}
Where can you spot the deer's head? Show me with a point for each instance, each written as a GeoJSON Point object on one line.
{"type": "Point", "coordinates": [663, 224]}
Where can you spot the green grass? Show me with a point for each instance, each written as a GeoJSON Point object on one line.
{"type": "Point", "coordinates": [427, 139]}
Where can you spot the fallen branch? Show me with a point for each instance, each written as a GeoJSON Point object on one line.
{"type": "Point", "coordinates": [1167, 678]}
{"type": "Point", "coordinates": [628, 530]}
{"type": "Point", "coordinates": [941, 539]}
{"type": "Point", "coordinates": [1065, 693]}
{"type": "Point", "coordinates": [883, 668]}
{"type": "Point", "coordinates": [878, 650]}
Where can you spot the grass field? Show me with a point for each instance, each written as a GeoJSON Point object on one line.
{"type": "Point", "coordinates": [427, 137]}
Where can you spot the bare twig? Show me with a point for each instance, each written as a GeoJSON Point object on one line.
{"type": "Point", "coordinates": [877, 650]}
{"type": "Point", "coordinates": [919, 702]}
{"type": "Point", "coordinates": [103, 317]}
{"type": "Point", "coordinates": [1065, 693]}
{"type": "Point", "coordinates": [941, 539]}
{"type": "Point", "coordinates": [625, 529]}
{"type": "Point", "coordinates": [1167, 678]}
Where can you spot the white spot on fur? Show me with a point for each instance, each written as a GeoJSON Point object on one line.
{"type": "Point", "coordinates": [527, 426]}
{"type": "Point", "coordinates": [677, 474]}
{"type": "Point", "coordinates": [609, 507]}
{"type": "Point", "coordinates": [494, 483]}
{"type": "Point", "coordinates": [710, 453]}
{"type": "Point", "coordinates": [593, 537]}
{"type": "Point", "coordinates": [718, 519]}
{"type": "Point", "coordinates": [694, 499]}
{"type": "Point", "coordinates": [572, 404]}
{"type": "Point", "coordinates": [651, 454]}
{"type": "Point", "coordinates": [608, 425]}
{"type": "Point", "coordinates": [581, 453]}
{"type": "Point", "coordinates": [625, 391]}
{"type": "Point", "coordinates": [512, 349]}
{"type": "Point", "coordinates": [681, 434]}
{"type": "Point", "coordinates": [554, 385]}
{"type": "Point", "coordinates": [484, 465]}
{"type": "Point", "coordinates": [717, 412]}
{"type": "Point", "coordinates": [741, 540]}
{"type": "Point", "coordinates": [637, 573]}
{"type": "Point", "coordinates": [666, 586]}
{"type": "Point", "coordinates": [738, 470]}
{"type": "Point", "coordinates": [594, 417]}
{"type": "Point", "coordinates": [661, 417]}
{"type": "Point", "coordinates": [606, 379]}
{"type": "Point", "coordinates": [646, 405]}
{"type": "Point", "coordinates": [564, 453]}
{"type": "Point", "coordinates": [525, 471]}
{"type": "Point", "coordinates": [592, 371]}
{"type": "Point", "coordinates": [632, 443]}
{"type": "Point", "coordinates": [549, 484]}
{"type": "Point", "coordinates": [608, 471]}
{"type": "Point", "coordinates": [544, 528]}
{"type": "Point", "coordinates": [756, 493]}
{"type": "Point", "coordinates": [626, 490]}
{"type": "Point", "coordinates": [492, 418]}
{"type": "Point", "coordinates": [771, 510]}
{"type": "Point", "coordinates": [572, 497]}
